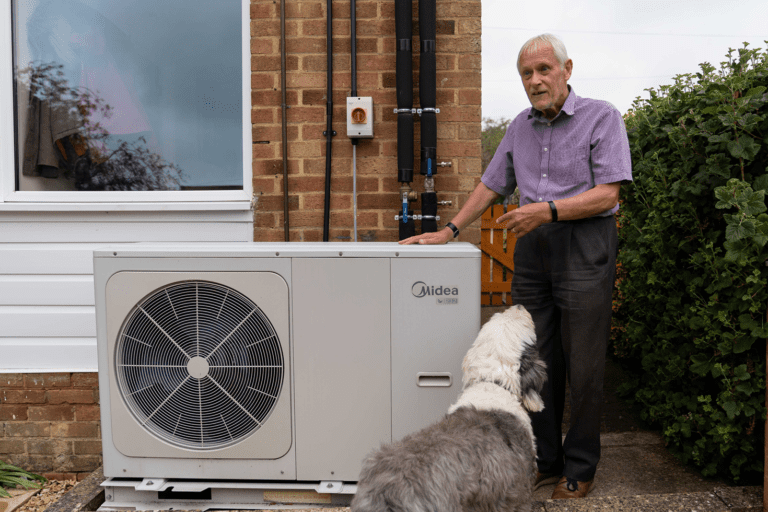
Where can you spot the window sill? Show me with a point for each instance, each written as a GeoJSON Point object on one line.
{"type": "Point", "coordinates": [125, 207]}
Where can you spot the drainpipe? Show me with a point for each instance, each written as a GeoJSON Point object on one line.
{"type": "Point", "coordinates": [329, 133]}
{"type": "Point", "coordinates": [404, 111]}
{"type": "Point", "coordinates": [284, 107]}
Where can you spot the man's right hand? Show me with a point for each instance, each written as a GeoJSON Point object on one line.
{"type": "Point", "coordinates": [438, 237]}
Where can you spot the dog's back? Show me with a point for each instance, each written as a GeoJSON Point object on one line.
{"type": "Point", "coordinates": [447, 466]}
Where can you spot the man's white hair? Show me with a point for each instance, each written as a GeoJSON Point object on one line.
{"type": "Point", "coordinates": [545, 39]}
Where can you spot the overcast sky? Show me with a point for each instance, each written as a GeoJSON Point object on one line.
{"type": "Point", "coordinates": [618, 47]}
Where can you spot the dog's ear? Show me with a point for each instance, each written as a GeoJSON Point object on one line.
{"type": "Point", "coordinates": [532, 377]}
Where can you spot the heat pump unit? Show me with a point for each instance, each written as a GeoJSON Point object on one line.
{"type": "Point", "coordinates": [243, 374]}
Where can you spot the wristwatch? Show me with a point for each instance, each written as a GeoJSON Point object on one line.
{"type": "Point", "coordinates": [453, 228]}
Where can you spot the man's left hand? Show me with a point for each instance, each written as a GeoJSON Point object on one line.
{"type": "Point", "coordinates": [525, 219]}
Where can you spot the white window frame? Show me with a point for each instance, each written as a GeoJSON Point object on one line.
{"type": "Point", "coordinates": [13, 200]}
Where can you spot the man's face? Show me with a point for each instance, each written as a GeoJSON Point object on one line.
{"type": "Point", "coordinates": [545, 82]}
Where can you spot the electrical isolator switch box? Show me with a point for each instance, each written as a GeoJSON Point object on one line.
{"type": "Point", "coordinates": [360, 117]}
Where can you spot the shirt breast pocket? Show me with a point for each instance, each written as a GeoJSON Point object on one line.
{"type": "Point", "coordinates": [570, 167]}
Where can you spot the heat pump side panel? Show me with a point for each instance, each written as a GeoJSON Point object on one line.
{"type": "Point", "coordinates": [435, 319]}
{"type": "Point", "coordinates": [341, 324]}
{"type": "Point", "coordinates": [169, 462]}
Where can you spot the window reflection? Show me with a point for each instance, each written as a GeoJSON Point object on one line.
{"type": "Point", "coordinates": [125, 95]}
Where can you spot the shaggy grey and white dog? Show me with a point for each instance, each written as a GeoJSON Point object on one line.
{"type": "Point", "coordinates": [481, 456]}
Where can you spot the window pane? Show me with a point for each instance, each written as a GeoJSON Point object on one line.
{"type": "Point", "coordinates": [128, 94]}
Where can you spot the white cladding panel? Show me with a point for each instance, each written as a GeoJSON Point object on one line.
{"type": "Point", "coordinates": [46, 275]}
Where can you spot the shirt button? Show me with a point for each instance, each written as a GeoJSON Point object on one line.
{"type": "Point", "coordinates": [544, 175]}
{"type": "Point", "coordinates": [539, 199]}
{"type": "Point", "coordinates": [549, 124]}
{"type": "Point", "coordinates": [545, 149]}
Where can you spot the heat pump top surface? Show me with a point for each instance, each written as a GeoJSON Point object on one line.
{"type": "Point", "coordinates": [276, 361]}
{"type": "Point", "coordinates": [289, 250]}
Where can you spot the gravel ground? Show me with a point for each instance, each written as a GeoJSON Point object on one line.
{"type": "Point", "coordinates": [49, 494]}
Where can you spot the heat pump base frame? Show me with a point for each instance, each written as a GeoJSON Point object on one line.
{"type": "Point", "coordinates": [227, 495]}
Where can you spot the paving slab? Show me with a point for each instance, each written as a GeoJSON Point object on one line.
{"type": "Point", "coordinates": [18, 498]}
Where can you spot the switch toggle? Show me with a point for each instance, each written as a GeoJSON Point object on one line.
{"type": "Point", "coordinates": [360, 117]}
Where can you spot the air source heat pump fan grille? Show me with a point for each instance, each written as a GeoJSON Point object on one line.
{"type": "Point", "coordinates": [199, 365]}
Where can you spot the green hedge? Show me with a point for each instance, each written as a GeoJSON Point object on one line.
{"type": "Point", "coordinates": [691, 307]}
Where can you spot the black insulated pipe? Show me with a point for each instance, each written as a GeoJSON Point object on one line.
{"type": "Point", "coordinates": [329, 133]}
{"type": "Point", "coordinates": [427, 101]}
{"type": "Point", "coordinates": [404, 88]}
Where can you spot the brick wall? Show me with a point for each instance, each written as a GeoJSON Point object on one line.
{"type": "Point", "coordinates": [459, 121]}
{"type": "Point", "coordinates": [49, 423]}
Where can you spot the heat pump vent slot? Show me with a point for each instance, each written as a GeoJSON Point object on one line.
{"type": "Point", "coordinates": [199, 365]}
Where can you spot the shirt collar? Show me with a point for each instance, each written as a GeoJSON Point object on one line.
{"type": "Point", "coordinates": [569, 107]}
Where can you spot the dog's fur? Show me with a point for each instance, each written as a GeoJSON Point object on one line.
{"type": "Point", "coordinates": [481, 456]}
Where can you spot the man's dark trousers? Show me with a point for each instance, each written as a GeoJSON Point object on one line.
{"type": "Point", "coordinates": [564, 275]}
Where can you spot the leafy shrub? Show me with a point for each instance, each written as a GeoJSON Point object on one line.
{"type": "Point", "coordinates": [11, 476]}
{"type": "Point", "coordinates": [692, 293]}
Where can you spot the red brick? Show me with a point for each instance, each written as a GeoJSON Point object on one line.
{"type": "Point", "coordinates": [49, 447]}
{"type": "Point", "coordinates": [268, 235]}
{"type": "Point", "coordinates": [71, 396]}
{"type": "Point", "coordinates": [264, 115]}
{"type": "Point", "coordinates": [74, 464]}
{"type": "Point", "coordinates": [85, 380]}
{"type": "Point", "coordinates": [72, 430]}
{"type": "Point", "coordinates": [8, 446]}
{"type": "Point", "coordinates": [307, 219]}
{"type": "Point", "coordinates": [87, 413]}
{"type": "Point", "coordinates": [47, 380]}
{"type": "Point", "coordinates": [34, 463]}
{"type": "Point", "coordinates": [28, 429]}
{"type": "Point", "coordinates": [304, 10]}
{"type": "Point", "coordinates": [25, 396]}
{"type": "Point", "coordinates": [264, 46]}
{"type": "Point", "coordinates": [369, 9]}
{"type": "Point", "coordinates": [11, 380]}
{"type": "Point", "coordinates": [306, 115]}
{"type": "Point", "coordinates": [305, 45]}
{"type": "Point", "coordinates": [52, 413]}
{"type": "Point", "coordinates": [470, 26]}
{"type": "Point", "coordinates": [264, 80]}
{"type": "Point", "coordinates": [264, 220]}
{"type": "Point", "coordinates": [267, 133]}
{"type": "Point", "coordinates": [264, 10]}
{"type": "Point", "coordinates": [87, 447]}
{"type": "Point", "coordinates": [260, 151]}
{"type": "Point", "coordinates": [13, 413]}
{"type": "Point", "coordinates": [470, 97]}
{"type": "Point", "coordinates": [319, 27]}
{"type": "Point", "coordinates": [265, 63]}
{"type": "Point", "coordinates": [317, 201]}
{"type": "Point", "coordinates": [262, 28]}
{"type": "Point", "coordinates": [377, 201]}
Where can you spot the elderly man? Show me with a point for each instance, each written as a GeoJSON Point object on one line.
{"type": "Point", "coordinates": [568, 156]}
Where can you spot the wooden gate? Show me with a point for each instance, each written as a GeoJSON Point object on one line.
{"type": "Point", "coordinates": [497, 246]}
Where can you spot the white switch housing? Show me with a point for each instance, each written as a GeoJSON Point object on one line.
{"type": "Point", "coordinates": [360, 117]}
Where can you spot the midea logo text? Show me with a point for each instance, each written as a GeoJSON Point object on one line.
{"type": "Point", "coordinates": [422, 289]}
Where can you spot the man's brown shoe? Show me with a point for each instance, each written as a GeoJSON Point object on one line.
{"type": "Point", "coordinates": [544, 479]}
{"type": "Point", "coordinates": [569, 488]}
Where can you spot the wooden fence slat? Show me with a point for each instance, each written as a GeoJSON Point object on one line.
{"type": "Point", "coordinates": [496, 263]}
